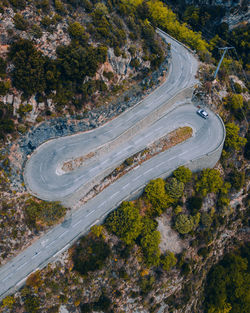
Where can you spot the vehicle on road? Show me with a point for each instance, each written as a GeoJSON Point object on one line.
{"type": "Point", "coordinates": [202, 113]}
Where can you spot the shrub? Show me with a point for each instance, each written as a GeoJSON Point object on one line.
{"type": "Point", "coordinates": [150, 246]}
{"type": "Point", "coordinates": [206, 219]}
{"type": "Point", "coordinates": [183, 174]}
{"type": "Point", "coordinates": [156, 194]}
{"type": "Point", "coordinates": [174, 188]}
{"type": "Point", "coordinates": [20, 22]}
{"type": "Point", "coordinates": [233, 141]}
{"type": "Point", "coordinates": [184, 223]}
{"type": "Point", "coordinates": [237, 179]}
{"type": "Point", "coordinates": [194, 204]}
{"type": "Point", "coordinates": [168, 260]}
{"type": "Point", "coordinates": [42, 212]}
{"type": "Point", "coordinates": [90, 255]}
{"type": "Point", "coordinates": [210, 181]}
{"type": "Point", "coordinates": [125, 222]}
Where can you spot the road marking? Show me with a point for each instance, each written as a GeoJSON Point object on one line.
{"type": "Point", "coordinates": [21, 266]}
{"type": "Point", "coordinates": [125, 186]}
{"type": "Point", "coordinates": [6, 278]}
{"type": "Point", "coordinates": [94, 223]}
{"type": "Point", "coordinates": [51, 243]}
{"type": "Point", "coordinates": [136, 178]}
{"type": "Point", "coordinates": [77, 223]}
{"type": "Point", "coordinates": [150, 170]}
{"type": "Point", "coordinates": [90, 213]}
{"type": "Point", "coordinates": [114, 195]}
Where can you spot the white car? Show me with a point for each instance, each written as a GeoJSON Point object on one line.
{"type": "Point", "coordinates": [202, 113]}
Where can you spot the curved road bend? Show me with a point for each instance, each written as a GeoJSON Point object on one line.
{"type": "Point", "coordinates": [40, 174]}
{"type": "Point", "coordinates": [208, 134]}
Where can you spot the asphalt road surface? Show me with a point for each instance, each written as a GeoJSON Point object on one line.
{"type": "Point", "coordinates": [44, 179]}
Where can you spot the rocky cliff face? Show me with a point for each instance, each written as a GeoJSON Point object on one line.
{"type": "Point", "coordinates": [224, 3]}
{"type": "Point", "coordinates": [236, 11]}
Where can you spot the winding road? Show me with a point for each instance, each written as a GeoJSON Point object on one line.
{"type": "Point", "coordinates": [166, 109]}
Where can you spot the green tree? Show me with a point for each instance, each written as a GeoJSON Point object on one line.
{"type": "Point", "coordinates": [8, 302]}
{"type": "Point", "coordinates": [194, 204]}
{"type": "Point", "coordinates": [233, 141]}
{"type": "Point", "coordinates": [206, 219]}
{"type": "Point", "coordinates": [183, 174]}
{"type": "Point", "coordinates": [77, 32]}
{"type": "Point", "coordinates": [184, 223]}
{"type": "Point", "coordinates": [168, 260]}
{"type": "Point", "coordinates": [43, 213]}
{"type": "Point", "coordinates": [125, 222]}
{"type": "Point", "coordinates": [228, 284]}
{"type": "Point", "coordinates": [174, 188]}
{"type": "Point", "coordinates": [90, 255]}
{"type": "Point", "coordinates": [156, 194]}
{"type": "Point", "coordinates": [20, 22]}
{"type": "Point", "coordinates": [210, 181]}
{"type": "Point", "coordinates": [237, 179]}
{"type": "Point", "coordinates": [28, 74]}
{"type": "Point", "coordinates": [3, 66]}
{"type": "Point", "coordinates": [98, 231]}
{"type": "Point", "coordinates": [150, 246]}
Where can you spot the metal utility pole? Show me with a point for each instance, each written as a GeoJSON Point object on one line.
{"type": "Point", "coordinates": [221, 59]}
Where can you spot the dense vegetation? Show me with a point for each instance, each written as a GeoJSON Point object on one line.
{"type": "Point", "coordinates": [90, 254]}
{"type": "Point", "coordinates": [227, 286]}
{"type": "Point", "coordinates": [41, 213]}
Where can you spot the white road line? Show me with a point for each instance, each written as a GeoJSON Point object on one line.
{"type": "Point", "coordinates": [150, 170]}
{"type": "Point", "coordinates": [114, 195]}
{"type": "Point", "coordinates": [90, 213]}
{"type": "Point", "coordinates": [94, 223]}
{"type": "Point", "coordinates": [6, 278]}
{"type": "Point", "coordinates": [21, 266]}
{"type": "Point", "coordinates": [77, 223]}
{"type": "Point", "coordinates": [125, 186]}
{"type": "Point", "coordinates": [51, 243]}
{"type": "Point", "coordinates": [136, 178]}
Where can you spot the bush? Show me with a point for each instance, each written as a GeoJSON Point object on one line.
{"type": "Point", "coordinates": [183, 174]}
{"type": "Point", "coordinates": [184, 223]}
{"type": "Point", "coordinates": [233, 141]}
{"type": "Point", "coordinates": [210, 181]}
{"type": "Point", "coordinates": [206, 219]}
{"type": "Point", "coordinates": [41, 212]}
{"type": "Point", "coordinates": [19, 4]}
{"type": "Point", "coordinates": [36, 31]}
{"type": "Point", "coordinates": [90, 255]}
{"type": "Point", "coordinates": [156, 194]}
{"type": "Point", "coordinates": [125, 222]}
{"type": "Point", "coordinates": [237, 179]}
{"type": "Point", "coordinates": [174, 188]}
{"type": "Point", "coordinates": [227, 284]}
{"type": "Point", "coordinates": [204, 251]}
{"type": "Point", "coordinates": [150, 246]}
{"type": "Point", "coordinates": [194, 204]}
{"type": "Point", "coordinates": [20, 22]}
{"type": "Point", "coordinates": [168, 261]}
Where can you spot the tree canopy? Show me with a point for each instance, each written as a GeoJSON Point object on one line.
{"type": "Point", "coordinates": [183, 174]}
{"type": "Point", "coordinates": [210, 181]}
{"type": "Point", "coordinates": [227, 286]}
{"type": "Point", "coordinates": [233, 141]}
{"type": "Point", "coordinates": [125, 222]}
{"type": "Point", "coordinates": [156, 194]}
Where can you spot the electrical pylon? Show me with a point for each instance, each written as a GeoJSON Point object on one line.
{"type": "Point", "coordinates": [221, 59]}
